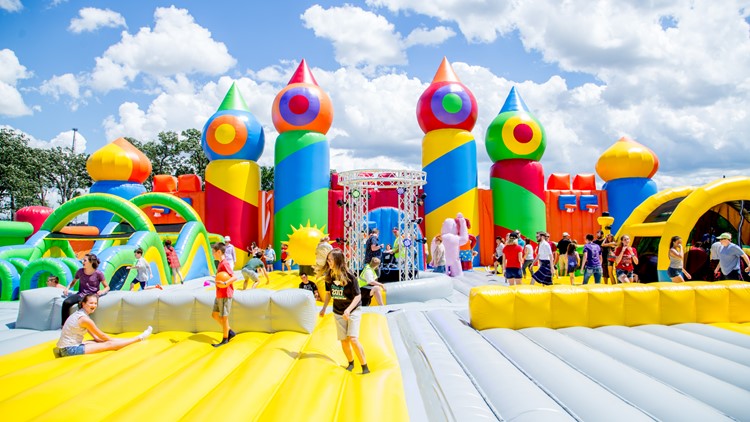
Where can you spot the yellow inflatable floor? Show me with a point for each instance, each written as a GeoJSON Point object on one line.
{"type": "Point", "coordinates": [172, 376]}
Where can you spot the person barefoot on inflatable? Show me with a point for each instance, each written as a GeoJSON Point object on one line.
{"type": "Point", "coordinates": [71, 338]}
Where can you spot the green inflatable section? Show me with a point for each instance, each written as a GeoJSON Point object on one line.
{"type": "Point", "coordinates": [97, 202]}
{"type": "Point", "coordinates": [14, 232]}
{"type": "Point", "coordinates": [54, 266]}
{"type": "Point", "coordinates": [317, 216]}
{"type": "Point", "coordinates": [165, 200]}
{"type": "Point", "coordinates": [532, 220]}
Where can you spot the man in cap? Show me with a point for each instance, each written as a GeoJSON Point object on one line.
{"type": "Point", "coordinates": [729, 259]}
{"type": "Point", "coordinates": [229, 253]}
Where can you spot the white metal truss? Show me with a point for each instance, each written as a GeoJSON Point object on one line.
{"type": "Point", "coordinates": [357, 186]}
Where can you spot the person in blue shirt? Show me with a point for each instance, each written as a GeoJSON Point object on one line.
{"type": "Point", "coordinates": [729, 259]}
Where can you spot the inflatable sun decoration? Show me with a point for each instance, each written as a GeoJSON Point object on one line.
{"type": "Point", "coordinates": [302, 243]}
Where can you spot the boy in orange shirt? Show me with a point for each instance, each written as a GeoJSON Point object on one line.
{"type": "Point", "coordinates": [224, 294]}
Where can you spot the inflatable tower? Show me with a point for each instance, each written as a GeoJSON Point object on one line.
{"type": "Point", "coordinates": [447, 112]}
{"type": "Point", "coordinates": [118, 169]}
{"type": "Point", "coordinates": [626, 168]}
{"type": "Point", "coordinates": [233, 141]}
{"type": "Point", "coordinates": [516, 142]}
{"type": "Point", "coordinates": [302, 113]}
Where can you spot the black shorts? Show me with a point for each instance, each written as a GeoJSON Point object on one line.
{"type": "Point", "coordinates": [366, 295]}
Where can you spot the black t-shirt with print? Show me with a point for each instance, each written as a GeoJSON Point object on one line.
{"type": "Point", "coordinates": [343, 296]}
{"type": "Point", "coordinates": [309, 286]}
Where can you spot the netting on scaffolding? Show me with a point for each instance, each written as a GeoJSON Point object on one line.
{"type": "Point", "coordinates": [357, 185]}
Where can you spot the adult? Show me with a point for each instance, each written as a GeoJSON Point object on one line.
{"type": "Point", "coordinates": [676, 272]}
{"type": "Point", "coordinates": [562, 251]}
{"type": "Point", "coordinates": [625, 258]}
{"type": "Point", "coordinates": [321, 253]}
{"type": "Point", "coordinates": [373, 248]}
{"type": "Point", "coordinates": [498, 255]}
{"type": "Point", "coordinates": [369, 284]}
{"type": "Point", "coordinates": [528, 259]}
{"type": "Point", "coordinates": [437, 253]}
{"type": "Point", "coordinates": [174, 261]}
{"type": "Point", "coordinates": [544, 257]}
{"type": "Point", "coordinates": [697, 263]}
{"type": "Point", "coordinates": [89, 282]}
{"type": "Point", "coordinates": [608, 258]}
{"type": "Point", "coordinates": [592, 260]}
{"type": "Point", "coordinates": [229, 254]}
{"type": "Point", "coordinates": [713, 257]}
{"type": "Point", "coordinates": [399, 251]}
{"type": "Point", "coordinates": [71, 338]}
{"type": "Point", "coordinates": [454, 233]}
{"type": "Point", "coordinates": [729, 259]}
{"type": "Point", "coordinates": [513, 258]}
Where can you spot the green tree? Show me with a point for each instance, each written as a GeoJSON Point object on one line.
{"type": "Point", "coordinates": [20, 169]}
{"type": "Point", "coordinates": [67, 173]}
{"type": "Point", "coordinates": [266, 178]}
{"type": "Point", "coordinates": [196, 158]}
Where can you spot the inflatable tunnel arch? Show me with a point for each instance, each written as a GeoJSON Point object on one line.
{"type": "Point", "coordinates": [675, 212]}
{"type": "Point", "coordinates": [172, 202]}
{"type": "Point", "coordinates": [126, 210]}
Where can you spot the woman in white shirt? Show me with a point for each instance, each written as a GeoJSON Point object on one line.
{"type": "Point", "coordinates": [544, 256]}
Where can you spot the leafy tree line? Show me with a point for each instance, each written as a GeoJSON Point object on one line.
{"type": "Point", "coordinates": [32, 176]}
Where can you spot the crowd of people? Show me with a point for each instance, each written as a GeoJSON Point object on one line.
{"type": "Point", "coordinates": [609, 261]}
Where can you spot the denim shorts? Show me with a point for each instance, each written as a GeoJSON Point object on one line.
{"type": "Point", "coordinates": [61, 352]}
{"type": "Point", "coordinates": [627, 273]}
{"type": "Point", "coordinates": [674, 272]}
{"type": "Point", "coordinates": [439, 269]}
{"type": "Point", "coordinates": [513, 273]}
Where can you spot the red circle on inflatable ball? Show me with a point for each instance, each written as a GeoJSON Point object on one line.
{"type": "Point", "coordinates": [523, 133]}
{"type": "Point", "coordinates": [299, 104]}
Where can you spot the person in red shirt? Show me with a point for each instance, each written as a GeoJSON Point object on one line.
{"type": "Point", "coordinates": [625, 258]}
{"type": "Point", "coordinates": [224, 294]}
{"type": "Point", "coordinates": [512, 259]}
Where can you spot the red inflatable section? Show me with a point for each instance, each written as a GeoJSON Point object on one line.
{"type": "Point", "coordinates": [240, 220]}
{"type": "Point", "coordinates": [34, 215]}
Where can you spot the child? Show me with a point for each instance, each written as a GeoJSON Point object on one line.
{"type": "Point", "coordinates": [284, 257]}
{"type": "Point", "coordinates": [342, 285]}
{"type": "Point", "coordinates": [306, 285]}
{"type": "Point", "coordinates": [499, 245]}
{"type": "Point", "coordinates": [625, 258]}
{"type": "Point", "coordinates": [144, 271]}
{"type": "Point", "coordinates": [369, 284]}
{"type": "Point", "coordinates": [174, 261]}
{"type": "Point", "coordinates": [573, 260]}
{"type": "Point", "coordinates": [53, 281]}
{"type": "Point", "coordinates": [251, 269]}
{"type": "Point", "coordinates": [270, 258]}
{"type": "Point", "coordinates": [224, 294]}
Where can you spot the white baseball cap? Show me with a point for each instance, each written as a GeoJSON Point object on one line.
{"type": "Point", "coordinates": [566, 234]}
{"type": "Point", "coordinates": [227, 238]}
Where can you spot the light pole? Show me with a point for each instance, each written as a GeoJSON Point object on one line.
{"type": "Point", "coordinates": [73, 147]}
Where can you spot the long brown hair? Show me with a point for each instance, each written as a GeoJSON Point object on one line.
{"type": "Point", "coordinates": [337, 271]}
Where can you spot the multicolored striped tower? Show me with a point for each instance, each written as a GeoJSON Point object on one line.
{"type": "Point", "coordinates": [233, 141]}
{"type": "Point", "coordinates": [516, 142]}
{"type": "Point", "coordinates": [302, 113]}
{"type": "Point", "coordinates": [447, 112]}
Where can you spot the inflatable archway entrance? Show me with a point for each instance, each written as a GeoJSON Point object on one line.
{"type": "Point", "coordinates": [126, 210]}
{"type": "Point", "coordinates": [675, 212]}
{"type": "Point", "coordinates": [170, 201]}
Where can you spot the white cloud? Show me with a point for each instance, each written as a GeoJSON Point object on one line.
{"type": "Point", "coordinates": [11, 5]}
{"type": "Point", "coordinates": [11, 71]}
{"type": "Point", "coordinates": [63, 85]}
{"type": "Point", "coordinates": [176, 45]}
{"type": "Point", "coordinates": [478, 20]}
{"type": "Point", "coordinates": [63, 140]}
{"type": "Point", "coordinates": [365, 39]}
{"type": "Point", "coordinates": [90, 19]}
{"type": "Point", "coordinates": [434, 36]}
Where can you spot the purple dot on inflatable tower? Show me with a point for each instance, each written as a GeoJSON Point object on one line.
{"type": "Point", "coordinates": [445, 116]}
{"type": "Point", "coordinates": [299, 106]}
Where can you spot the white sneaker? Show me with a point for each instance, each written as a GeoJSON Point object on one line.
{"type": "Point", "coordinates": [147, 332]}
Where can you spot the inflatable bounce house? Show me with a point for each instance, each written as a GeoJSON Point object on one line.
{"type": "Point", "coordinates": [461, 346]}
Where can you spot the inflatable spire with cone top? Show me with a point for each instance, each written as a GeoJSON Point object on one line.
{"type": "Point", "coordinates": [447, 112]}
{"type": "Point", "coordinates": [233, 141]}
{"type": "Point", "coordinates": [516, 142]}
{"type": "Point", "coordinates": [302, 113]}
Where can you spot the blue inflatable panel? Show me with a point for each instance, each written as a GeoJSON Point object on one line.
{"type": "Point", "coordinates": [624, 195]}
{"type": "Point", "coordinates": [564, 200]}
{"type": "Point", "coordinates": [587, 200]}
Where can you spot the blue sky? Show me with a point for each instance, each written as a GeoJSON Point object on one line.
{"type": "Point", "coordinates": [673, 75]}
